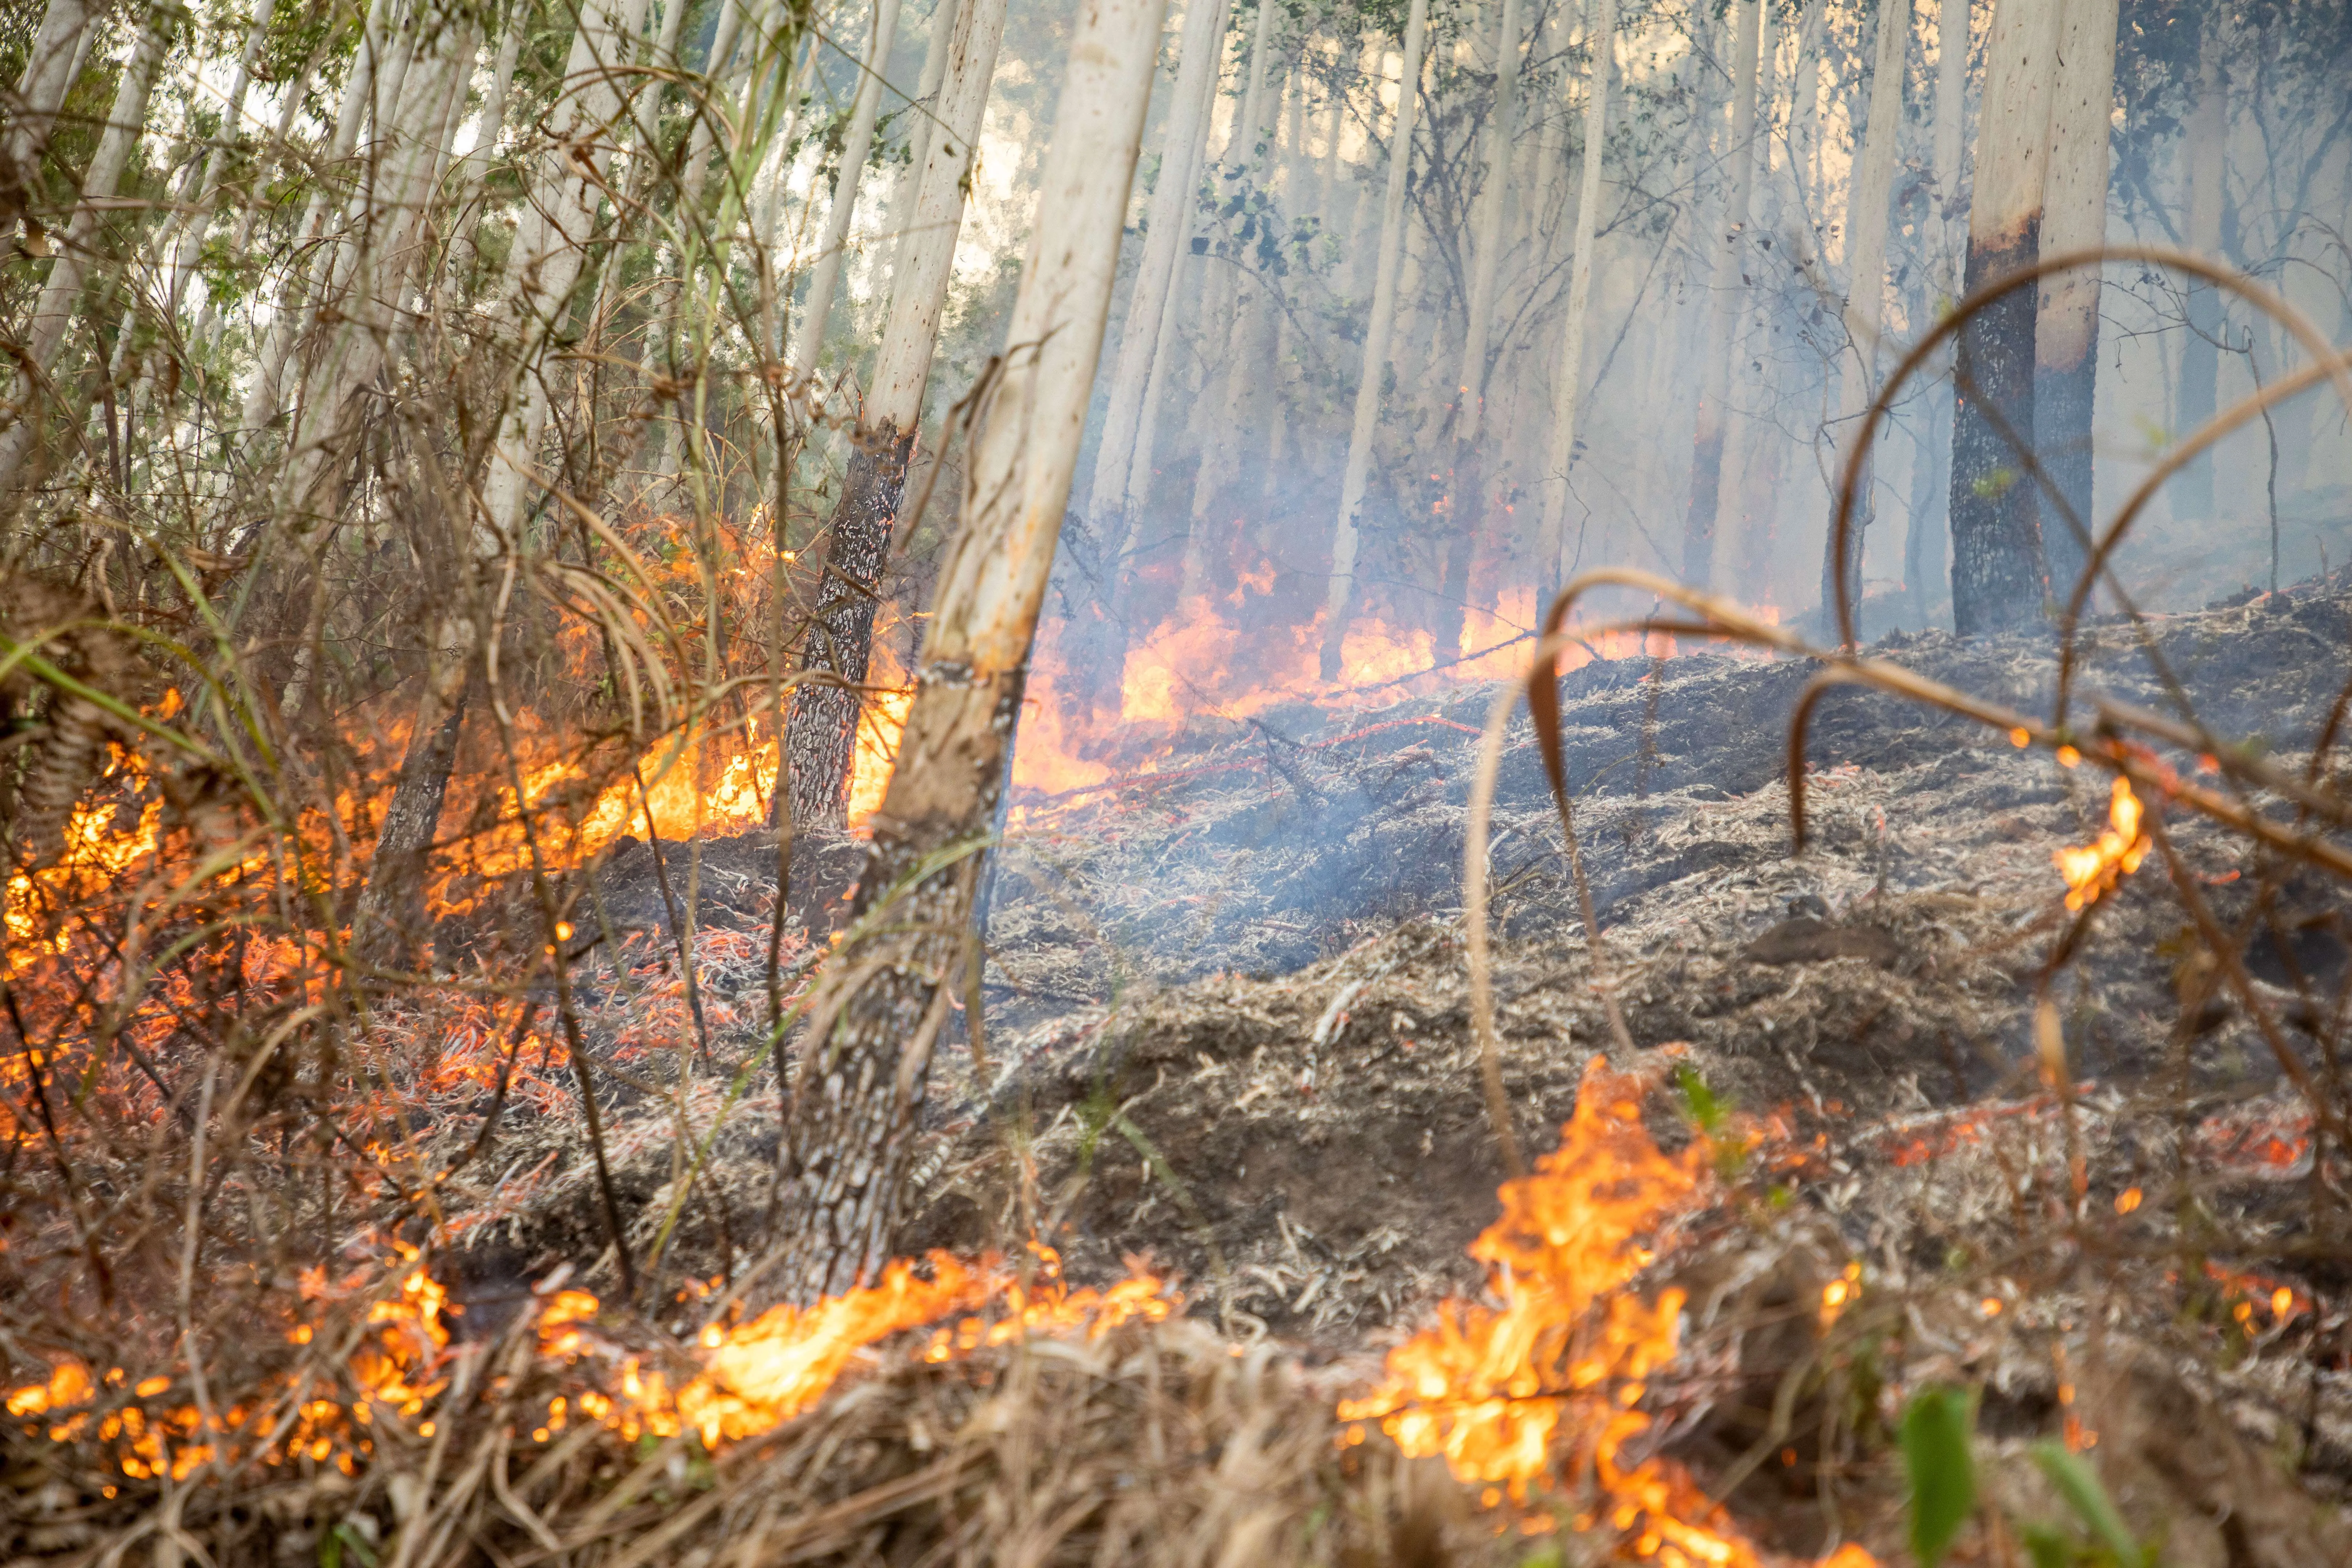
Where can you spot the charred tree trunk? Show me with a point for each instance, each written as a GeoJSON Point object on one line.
{"type": "Point", "coordinates": [2066, 334]}
{"type": "Point", "coordinates": [1338, 602]}
{"type": "Point", "coordinates": [1996, 569]}
{"type": "Point", "coordinates": [388, 929]}
{"type": "Point", "coordinates": [1725, 294]}
{"type": "Point", "coordinates": [2206, 147]}
{"type": "Point", "coordinates": [849, 1134]}
{"type": "Point", "coordinates": [820, 738]}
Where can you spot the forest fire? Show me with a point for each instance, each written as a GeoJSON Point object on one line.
{"type": "Point", "coordinates": [1522, 1397]}
{"type": "Point", "coordinates": [2092, 870]}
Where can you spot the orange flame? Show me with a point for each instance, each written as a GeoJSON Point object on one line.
{"type": "Point", "coordinates": [1567, 1355]}
{"type": "Point", "coordinates": [757, 1376]}
{"type": "Point", "coordinates": [2093, 871]}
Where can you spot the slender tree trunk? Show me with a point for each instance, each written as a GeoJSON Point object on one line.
{"type": "Point", "coordinates": [1998, 579]}
{"type": "Point", "coordinates": [856, 1096]}
{"type": "Point", "coordinates": [1948, 255]}
{"type": "Point", "coordinates": [1805, 104]}
{"type": "Point", "coordinates": [550, 249]}
{"type": "Point", "coordinates": [1337, 604]}
{"type": "Point", "coordinates": [821, 737]}
{"type": "Point", "coordinates": [855, 145]}
{"type": "Point", "coordinates": [50, 69]}
{"type": "Point", "coordinates": [1230, 340]}
{"type": "Point", "coordinates": [1166, 229]}
{"type": "Point", "coordinates": [388, 928]}
{"type": "Point", "coordinates": [921, 117]}
{"type": "Point", "coordinates": [44, 334]}
{"type": "Point", "coordinates": [1726, 295]}
{"type": "Point", "coordinates": [2066, 334]}
{"type": "Point", "coordinates": [1568, 383]}
{"type": "Point", "coordinates": [1865, 302]}
{"type": "Point", "coordinates": [1469, 510]}
{"type": "Point", "coordinates": [2206, 145]}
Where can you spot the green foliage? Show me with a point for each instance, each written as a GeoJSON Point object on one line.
{"type": "Point", "coordinates": [2080, 1486]}
{"type": "Point", "coordinates": [1940, 1469]}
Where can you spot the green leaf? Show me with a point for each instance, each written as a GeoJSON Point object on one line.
{"type": "Point", "coordinates": [1935, 1436]}
{"type": "Point", "coordinates": [2047, 1548]}
{"type": "Point", "coordinates": [2079, 1485]}
{"type": "Point", "coordinates": [1706, 1108]}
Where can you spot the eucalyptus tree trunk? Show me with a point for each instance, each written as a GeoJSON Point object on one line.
{"type": "Point", "coordinates": [1339, 601]}
{"type": "Point", "coordinates": [1805, 104]}
{"type": "Point", "coordinates": [855, 146]}
{"type": "Point", "coordinates": [856, 1096]}
{"type": "Point", "coordinates": [1141, 462]}
{"type": "Point", "coordinates": [1568, 384]}
{"type": "Point", "coordinates": [1165, 230]}
{"type": "Point", "coordinates": [922, 117]}
{"type": "Point", "coordinates": [1997, 567]}
{"type": "Point", "coordinates": [1866, 298]}
{"type": "Point", "coordinates": [1726, 295]}
{"type": "Point", "coordinates": [1946, 256]}
{"type": "Point", "coordinates": [2206, 147]}
{"type": "Point", "coordinates": [201, 188]}
{"type": "Point", "coordinates": [1231, 396]}
{"type": "Point", "coordinates": [43, 339]}
{"type": "Point", "coordinates": [821, 736]}
{"type": "Point", "coordinates": [550, 250]}
{"type": "Point", "coordinates": [2066, 332]}
{"type": "Point", "coordinates": [51, 66]}
{"type": "Point", "coordinates": [307, 284]}
{"type": "Point", "coordinates": [1468, 519]}
{"type": "Point", "coordinates": [465, 247]}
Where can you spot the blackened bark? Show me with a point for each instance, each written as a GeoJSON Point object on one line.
{"type": "Point", "coordinates": [1461, 541]}
{"type": "Point", "coordinates": [388, 930]}
{"type": "Point", "coordinates": [2062, 399]}
{"type": "Point", "coordinates": [1997, 568]}
{"type": "Point", "coordinates": [821, 736]}
{"type": "Point", "coordinates": [856, 1101]}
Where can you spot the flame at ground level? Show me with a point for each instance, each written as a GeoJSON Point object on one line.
{"type": "Point", "coordinates": [1562, 1363]}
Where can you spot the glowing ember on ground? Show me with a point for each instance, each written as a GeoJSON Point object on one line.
{"type": "Point", "coordinates": [2093, 871]}
{"type": "Point", "coordinates": [1545, 1386]}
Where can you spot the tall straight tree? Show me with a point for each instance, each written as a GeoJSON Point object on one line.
{"type": "Point", "coordinates": [1725, 294]}
{"type": "Point", "coordinates": [1947, 244]}
{"type": "Point", "coordinates": [922, 116]}
{"type": "Point", "coordinates": [1469, 484]}
{"type": "Point", "coordinates": [1997, 567]}
{"type": "Point", "coordinates": [855, 146]}
{"type": "Point", "coordinates": [1865, 299]}
{"type": "Point", "coordinates": [1568, 383]}
{"type": "Point", "coordinates": [1139, 339]}
{"type": "Point", "coordinates": [851, 1123]}
{"type": "Point", "coordinates": [1339, 601]}
{"type": "Point", "coordinates": [2206, 147]}
{"type": "Point", "coordinates": [2066, 335]}
{"type": "Point", "coordinates": [821, 737]}
{"type": "Point", "coordinates": [44, 335]}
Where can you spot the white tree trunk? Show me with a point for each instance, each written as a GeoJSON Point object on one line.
{"type": "Point", "coordinates": [1486, 229]}
{"type": "Point", "coordinates": [50, 68]}
{"type": "Point", "coordinates": [1227, 405]}
{"type": "Point", "coordinates": [1997, 566]}
{"type": "Point", "coordinates": [1337, 603]}
{"type": "Point", "coordinates": [1951, 137]}
{"type": "Point", "coordinates": [1166, 228]}
{"type": "Point", "coordinates": [2206, 147]}
{"type": "Point", "coordinates": [1865, 299]}
{"type": "Point", "coordinates": [1162, 354]}
{"type": "Point", "coordinates": [2066, 333]}
{"type": "Point", "coordinates": [853, 149]}
{"type": "Point", "coordinates": [1568, 386]}
{"type": "Point", "coordinates": [551, 241]}
{"type": "Point", "coordinates": [919, 139]}
{"type": "Point", "coordinates": [1726, 295]}
{"type": "Point", "coordinates": [849, 1134]}
{"type": "Point", "coordinates": [53, 310]}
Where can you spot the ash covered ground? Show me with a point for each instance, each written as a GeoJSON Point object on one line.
{"type": "Point", "coordinates": [1228, 1029]}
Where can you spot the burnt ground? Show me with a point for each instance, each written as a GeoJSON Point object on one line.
{"type": "Point", "coordinates": [1229, 1024]}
